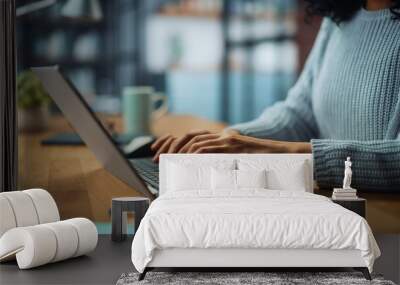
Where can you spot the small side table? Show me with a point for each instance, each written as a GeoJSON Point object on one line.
{"type": "Point", "coordinates": [119, 208]}
{"type": "Point", "coordinates": [357, 205]}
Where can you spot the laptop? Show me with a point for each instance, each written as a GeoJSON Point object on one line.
{"type": "Point", "coordinates": [140, 173]}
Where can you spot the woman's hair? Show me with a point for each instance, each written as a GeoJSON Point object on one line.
{"type": "Point", "coordinates": [343, 10]}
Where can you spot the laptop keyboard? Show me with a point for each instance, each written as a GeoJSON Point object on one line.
{"type": "Point", "coordinates": [147, 169]}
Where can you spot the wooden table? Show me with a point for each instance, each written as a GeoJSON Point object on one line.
{"type": "Point", "coordinates": [81, 187]}
{"type": "Point", "coordinates": [73, 176]}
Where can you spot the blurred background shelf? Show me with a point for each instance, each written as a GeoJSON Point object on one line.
{"type": "Point", "coordinates": [69, 62]}
{"type": "Point", "coordinates": [63, 23]}
{"type": "Point", "coordinates": [219, 54]}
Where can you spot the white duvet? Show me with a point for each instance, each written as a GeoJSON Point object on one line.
{"type": "Point", "coordinates": [250, 219]}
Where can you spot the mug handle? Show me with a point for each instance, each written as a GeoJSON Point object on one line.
{"type": "Point", "coordinates": [163, 109]}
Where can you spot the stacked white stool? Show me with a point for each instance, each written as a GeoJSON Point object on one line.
{"type": "Point", "coordinates": [31, 230]}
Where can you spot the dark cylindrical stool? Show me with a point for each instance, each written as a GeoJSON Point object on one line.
{"type": "Point", "coordinates": [119, 208]}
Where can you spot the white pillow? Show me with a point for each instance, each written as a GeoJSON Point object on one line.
{"type": "Point", "coordinates": [193, 174]}
{"type": "Point", "coordinates": [181, 177]}
{"type": "Point", "coordinates": [235, 179]}
{"type": "Point", "coordinates": [288, 175]}
{"type": "Point", "coordinates": [223, 179]}
{"type": "Point", "coordinates": [251, 178]}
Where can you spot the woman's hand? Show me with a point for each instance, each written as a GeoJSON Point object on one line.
{"type": "Point", "coordinates": [228, 141]}
{"type": "Point", "coordinates": [235, 143]}
{"type": "Point", "coordinates": [171, 144]}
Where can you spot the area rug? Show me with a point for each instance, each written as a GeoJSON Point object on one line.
{"type": "Point", "coordinates": [244, 278]}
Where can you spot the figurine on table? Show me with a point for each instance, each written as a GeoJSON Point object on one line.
{"type": "Point", "coordinates": [346, 192]}
{"type": "Point", "coordinates": [347, 174]}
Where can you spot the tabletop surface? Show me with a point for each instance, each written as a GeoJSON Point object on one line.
{"type": "Point", "coordinates": [350, 199]}
{"type": "Point", "coordinates": [130, 199]}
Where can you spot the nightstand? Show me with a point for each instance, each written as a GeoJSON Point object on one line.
{"type": "Point", "coordinates": [357, 205]}
{"type": "Point", "coordinates": [119, 208]}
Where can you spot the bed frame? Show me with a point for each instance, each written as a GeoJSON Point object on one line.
{"type": "Point", "coordinates": [245, 258]}
{"type": "Point", "coordinates": [242, 259]}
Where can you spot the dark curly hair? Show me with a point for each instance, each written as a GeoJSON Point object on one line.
{"type": "Point", "coordinates": [342, 10]}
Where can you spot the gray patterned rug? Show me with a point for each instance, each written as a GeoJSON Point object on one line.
{"type": "Point", "coordinates": [243, 278]}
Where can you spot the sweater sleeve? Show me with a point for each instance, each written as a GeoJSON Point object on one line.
{"type": "Point", "coordinates": [376, 164]}
{"type": "Point", "coordinates": [292, 119]}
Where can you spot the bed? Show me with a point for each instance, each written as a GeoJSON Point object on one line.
{"type": "Point", "coordinates": [245, 210]}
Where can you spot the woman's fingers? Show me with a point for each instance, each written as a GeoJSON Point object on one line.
{"type": "Point", "coordinates": [198, 139]}
{"type": "Point", "coordinates": [194, 142]}
{"type": "Point", "coordinates": [160, 141]}
{"type": "Point", "coordinates": [179, 143]}
{"type": "Point", "coordinates": [206, 143]}
{"type": "Point", "coordinates": [214, 149]}
{"type": "Point", "coordinates": [164, 148]}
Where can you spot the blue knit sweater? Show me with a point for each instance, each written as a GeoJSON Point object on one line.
{"type": "Point", "coordinates": [346, 102]}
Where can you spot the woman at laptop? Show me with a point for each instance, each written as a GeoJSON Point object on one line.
{"type": "Point", "coordinates": [346, 101]}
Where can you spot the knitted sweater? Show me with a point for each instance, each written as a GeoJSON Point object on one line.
{"type": "Point", "coordinates": [346, 102]}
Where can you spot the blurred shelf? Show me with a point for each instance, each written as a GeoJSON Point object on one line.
{"type": "Point", "coordinates": [193, 14]}
{"type": "Point", "coordinates": [267, 16]}
{"type": "Point", "coordinates": [51, 24]}
{"type": "Point", "coordinates": [254, 42]}
{"type": "Point", "coordinates": [100, 61]}
{"type": "Point", "coordinates": [70, 62]}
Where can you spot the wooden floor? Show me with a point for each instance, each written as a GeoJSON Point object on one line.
{"type": "Point", "coordinates": [81, 187]}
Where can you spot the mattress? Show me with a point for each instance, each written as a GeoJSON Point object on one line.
{"type": "Point", "coordinates": [250, 219]}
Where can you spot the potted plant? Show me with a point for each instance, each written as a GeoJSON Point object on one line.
{"type": "Point", "coordinates": [32, 102]}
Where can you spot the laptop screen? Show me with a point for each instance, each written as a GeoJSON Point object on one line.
{"type": "Point", "coordinates": [89, 127]}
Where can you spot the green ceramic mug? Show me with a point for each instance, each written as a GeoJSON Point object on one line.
{"type": "Point", "coordinates": [138, 108]}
